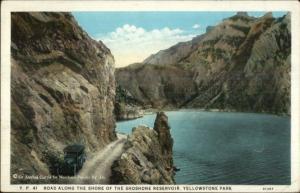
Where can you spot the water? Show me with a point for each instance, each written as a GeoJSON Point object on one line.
{"type": "Point", "coordinates": [227, 148]}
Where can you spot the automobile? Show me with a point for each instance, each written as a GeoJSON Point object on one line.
{"type": "Point", "coordinates": [74, 158]}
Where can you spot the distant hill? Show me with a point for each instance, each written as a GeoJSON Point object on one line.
{"type": "Point", "coordinates": [241, 64]}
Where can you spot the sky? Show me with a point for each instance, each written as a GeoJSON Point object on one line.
{"type": "Point", "coordinates": [133, 36]}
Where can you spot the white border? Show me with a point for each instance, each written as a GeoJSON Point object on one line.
{"type": "Point", "coordinates": [10, 6]}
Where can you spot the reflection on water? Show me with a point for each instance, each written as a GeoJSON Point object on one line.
{"type": "Point", "coordinates": [227, 148]}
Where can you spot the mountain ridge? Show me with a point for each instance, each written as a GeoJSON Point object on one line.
{"type": "Point", "coordinates": [225, 68]}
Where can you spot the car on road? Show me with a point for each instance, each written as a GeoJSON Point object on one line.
{"type": "Point", "coordinates": [74, 158]}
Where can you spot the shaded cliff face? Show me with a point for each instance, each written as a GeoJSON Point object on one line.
{"type": "Point", "coordinates": [157, 85]}
{"type": "Point", "coordinates": [241, 64]}
{"type": "Point", "coordinates": [62, 90]}
{"type": "Point", "coordinates": [148, 156]}
{"type": "Point", "coordinates": [126, 106]}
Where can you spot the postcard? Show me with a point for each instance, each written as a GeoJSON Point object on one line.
{"type": "Point", "coordinates": [150, 96]}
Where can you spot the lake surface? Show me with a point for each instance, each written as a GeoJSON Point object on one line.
{"type": "Point", "coordinates": [226, 148]}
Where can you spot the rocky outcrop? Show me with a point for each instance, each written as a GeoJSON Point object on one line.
{"type": "Point", "coordinates": [62, 91]}
{"type": "Point", "coordinates": [126, 107]}
{"type": "Point", "coordinates": [161, 126]}
{"type": "Point", "coordinates": [147, 158]}
{"type": "Point", "coordinates": [241, 64]}
{"type": "Point", "coordinates": [124, 111]}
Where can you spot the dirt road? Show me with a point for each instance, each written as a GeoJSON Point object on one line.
{"type": "Point", "coordinates": [97, 169]}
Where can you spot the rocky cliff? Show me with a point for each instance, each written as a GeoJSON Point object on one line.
{"type": "Point", "coordinates": [62, 91]}
{"type": "Point", "coordinates": [241, 64]}
{"type": "Point", "coordinates": [147, 158]}
{"type": "Point", "coordinates": [126, 107]}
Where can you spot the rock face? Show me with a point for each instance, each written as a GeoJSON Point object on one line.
{"type": "Point", "coordinates": [62, 91]}
{"type": "Point", "coordinates": [241, 64]}
{"type": "Point", "coordinates": [126, 107]}
{"type": "Point", "coordinates": [157, 85]}
{"type": "Point", "coordinates": [147, 158]}
{"type": "Point", "coordinates": [161, 126]}
{"type": "Point", "coordinates": [124, 111]}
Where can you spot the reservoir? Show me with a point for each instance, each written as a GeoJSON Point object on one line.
{"type": "Point", "coordinates": [226, 147]}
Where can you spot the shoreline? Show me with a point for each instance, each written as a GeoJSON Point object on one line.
{"type": "Point", "coordinates": [152, 111]}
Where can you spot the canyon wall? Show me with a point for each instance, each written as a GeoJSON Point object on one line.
{"type": "Point", "coordinates": [62, 91]}
{"type": "Point", "coordinates": [242, 64]}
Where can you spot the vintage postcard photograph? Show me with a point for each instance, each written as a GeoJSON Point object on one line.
{"type": "Point", "coordinates": [134, 98]}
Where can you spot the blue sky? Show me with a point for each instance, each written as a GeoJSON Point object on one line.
{"type": "Point", "coordinates": [133, 36]}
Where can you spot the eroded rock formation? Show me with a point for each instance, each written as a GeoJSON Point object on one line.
{"type": "Point", "coordinates": [62, 91]}
{"type": "Point", "coordinates": [147, 158]}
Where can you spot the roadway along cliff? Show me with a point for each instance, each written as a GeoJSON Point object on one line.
{"type": "Point", "coordinates": [98, 167]}
{"type": "Point", "coordinates": [62, 91]}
